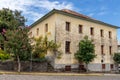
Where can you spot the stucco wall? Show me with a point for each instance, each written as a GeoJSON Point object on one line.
{"type": "Point", "coordinates": [57, 32]}
{"type": "Point", "coordinates": [74, 37]}
{"type": "Point", "coordinates": [50, 34]}
{"type": "Point", "coordinates": [51, 28]}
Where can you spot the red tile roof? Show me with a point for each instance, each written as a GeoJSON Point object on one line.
{"type": "Point", "coordinates": [73, 14]}
{"type": "Point", "coordinates": [76, 13]}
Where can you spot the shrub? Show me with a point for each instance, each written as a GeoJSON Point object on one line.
{"type": "Point", "coordinates": [39, 60]}
{"type": "Point", "coordinates": [4, 55]}
{"type": "Point", "coordinates": [116, 58]}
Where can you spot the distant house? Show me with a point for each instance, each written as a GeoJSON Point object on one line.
{"type": "Point", "coordinates": [68, 28]}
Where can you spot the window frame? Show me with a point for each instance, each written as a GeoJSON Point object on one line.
{"type": "Point", "coordinates": [102, 33]}
{"type": "Point", "coordinates": [67, 46]}
{"type": "Point", "coordinates": [91, 31]}
{"type": "Point", "coordinates": [110, 50]}
{"type": "Point", "coordinates": [67, 26]}
{"type": "Point", "coordinates": [46, 27]}
{"type": "Point", "coordinates": [103, 66]}
{"type": "Point", "coordinates": [110, 34]}
{"type": "Point", "coordinates": [30, 34]}
{"type": "Point", "coordinates": [80, 28]}
{"type": "Point", "coordinates": [102, 50]}
{"type": "Point", "coordinates": [37, 31]}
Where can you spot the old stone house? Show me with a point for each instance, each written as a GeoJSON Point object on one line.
{"type": "Point", "coordinates": [68, 28]}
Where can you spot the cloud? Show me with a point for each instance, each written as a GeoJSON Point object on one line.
{"type": "Point", "coordinates": [102, 13]}
{"type": "Point", "coordinates": [91, 14]}
{"type": "Point", "coordinates": [34, 9]}
{"type": "Point", "coordinates": [99, 11]}
{"type": "Point", "coordinates": [55, 4]}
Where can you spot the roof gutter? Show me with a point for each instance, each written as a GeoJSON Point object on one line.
{"type": "Point", "coordinates": [72, 15]}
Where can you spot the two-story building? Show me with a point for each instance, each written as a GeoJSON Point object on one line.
{"type": "Point", "coordinates": [68, 28]}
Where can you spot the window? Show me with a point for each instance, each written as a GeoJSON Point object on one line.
{"type": "Point", "coordinates": [103, 66]}
{"type": "Point", "coordinates": [102, 49]}
{"type": "Point", "coordinates": [30, 34]}
{"type": "Point", "coordinates": [67, 26]}
{"type": "Point", "coordinates": [111, 66]}
{"type": "Point", "coordinates": [81, 67]}
{"type": "Point", "coordinates": [37, 31]}
{"type": "Point", "coordinates": [67, 47]}
{"type": "Point", "coordinates": [80, 28]}
{"type": "Point", "coordinates": [92, 31]}
{"type": "Point", "coordinates": [110, 50]}
{"type": "Point", "coordinates": [118, 47]}
{"type": "Point", "coordinates": [110, 34]}
{"type": "Point", "coordinates": [46, 27]}
{"type": "Point", "coordinates": [68, 68]}
{"type": "Point", "coordinates": [101, 33]}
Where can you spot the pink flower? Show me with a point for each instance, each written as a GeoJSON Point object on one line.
{"type": "Point", "coordinates": [4, 30]}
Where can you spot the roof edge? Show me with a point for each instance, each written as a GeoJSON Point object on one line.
{"type": "Point", "coordinates": [69, 14]}
{"type": "Point", "coordinates": [89, 19]}
{"type": "Point", "coordinates": [44, 17]}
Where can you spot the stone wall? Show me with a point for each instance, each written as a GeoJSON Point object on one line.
{"type": "Point", "coordinates": [74, 37]}
{"type": "Point", "coordinates": [7, 65]}
{"type": "Point", "coordinates": [25, 66]}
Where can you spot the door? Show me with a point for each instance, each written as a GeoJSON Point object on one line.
{"type": "Point", "coordinates": [68, 68]}
{"type": "Point", "coordinates": [103, 66]}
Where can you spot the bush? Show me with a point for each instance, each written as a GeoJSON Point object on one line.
{"type": "Point", "coordinates": [4, 55]}
{"type": "Point", "coordinates": [116, 58]}
{"type": "Point", "coordinates": [39, 60]}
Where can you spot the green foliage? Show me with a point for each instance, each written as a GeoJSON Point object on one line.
{"type": "Point", "coordinates": [18, 43]}
{"type": "Point", "coordinates": [116, 58]}
{"type": "Point", "coordinates": [39, 60]}
{"type": "Point", "coordinates": [15, 39]}
{"type": "Point", "coordinates": [42, 45]}
{"type": "Point", "coordinates": [4, 55]}
{"type": "Point", "coordinates": [11, 19]}
{"type": "Point", "coordinates": [85, 54]}
{"type": "Point", "coordinates": [1, 39]}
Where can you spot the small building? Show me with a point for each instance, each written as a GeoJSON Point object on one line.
{"type": "Point", "coordinates": [68, 28]}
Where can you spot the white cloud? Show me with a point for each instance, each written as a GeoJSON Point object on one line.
{"type": "Point", "coordinates": [34, 9]}
{"type": "Point", "coordinates": [55, 4]}
{"type": "Point", "coordinates": [102, 13]}
{"type": "Point", "coordinates": [91, 14]}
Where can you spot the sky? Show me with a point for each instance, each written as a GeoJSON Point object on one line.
{"type": "Point", "coordinates": [104, 10]}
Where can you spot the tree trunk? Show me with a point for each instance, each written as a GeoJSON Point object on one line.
{"type": "Point", "coordinates": [19, 64]}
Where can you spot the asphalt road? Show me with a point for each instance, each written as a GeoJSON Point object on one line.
{"type": "Point", "coordinates": [38, 77]}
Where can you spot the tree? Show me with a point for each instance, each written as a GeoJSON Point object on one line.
{"type": "Point", "coordinates": [13, 38]}
{"type": "Point", "coordinates": [4, 56]}
{"type": "Point", "coordinates": [1, 40]}
{"type": "Point", "coordinates": [42, 45]}
{"type": "Point", "coordinates": [9, 20]}
{"type": "Point", "coordinates": [18, 44]}
{"type": "Point", "coordinates": [116, 59]}
{"type": "Point", "coordinates": [85, 54]}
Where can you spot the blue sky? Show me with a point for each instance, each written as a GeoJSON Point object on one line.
{"type": "Point", "coordinates": [104, 10]}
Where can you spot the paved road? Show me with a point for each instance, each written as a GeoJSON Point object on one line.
{"type": "Point", "coordinates": [37, 77]}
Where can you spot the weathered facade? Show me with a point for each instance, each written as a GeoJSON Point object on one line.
{"type": "Point", "coordinates": [68, 28]}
